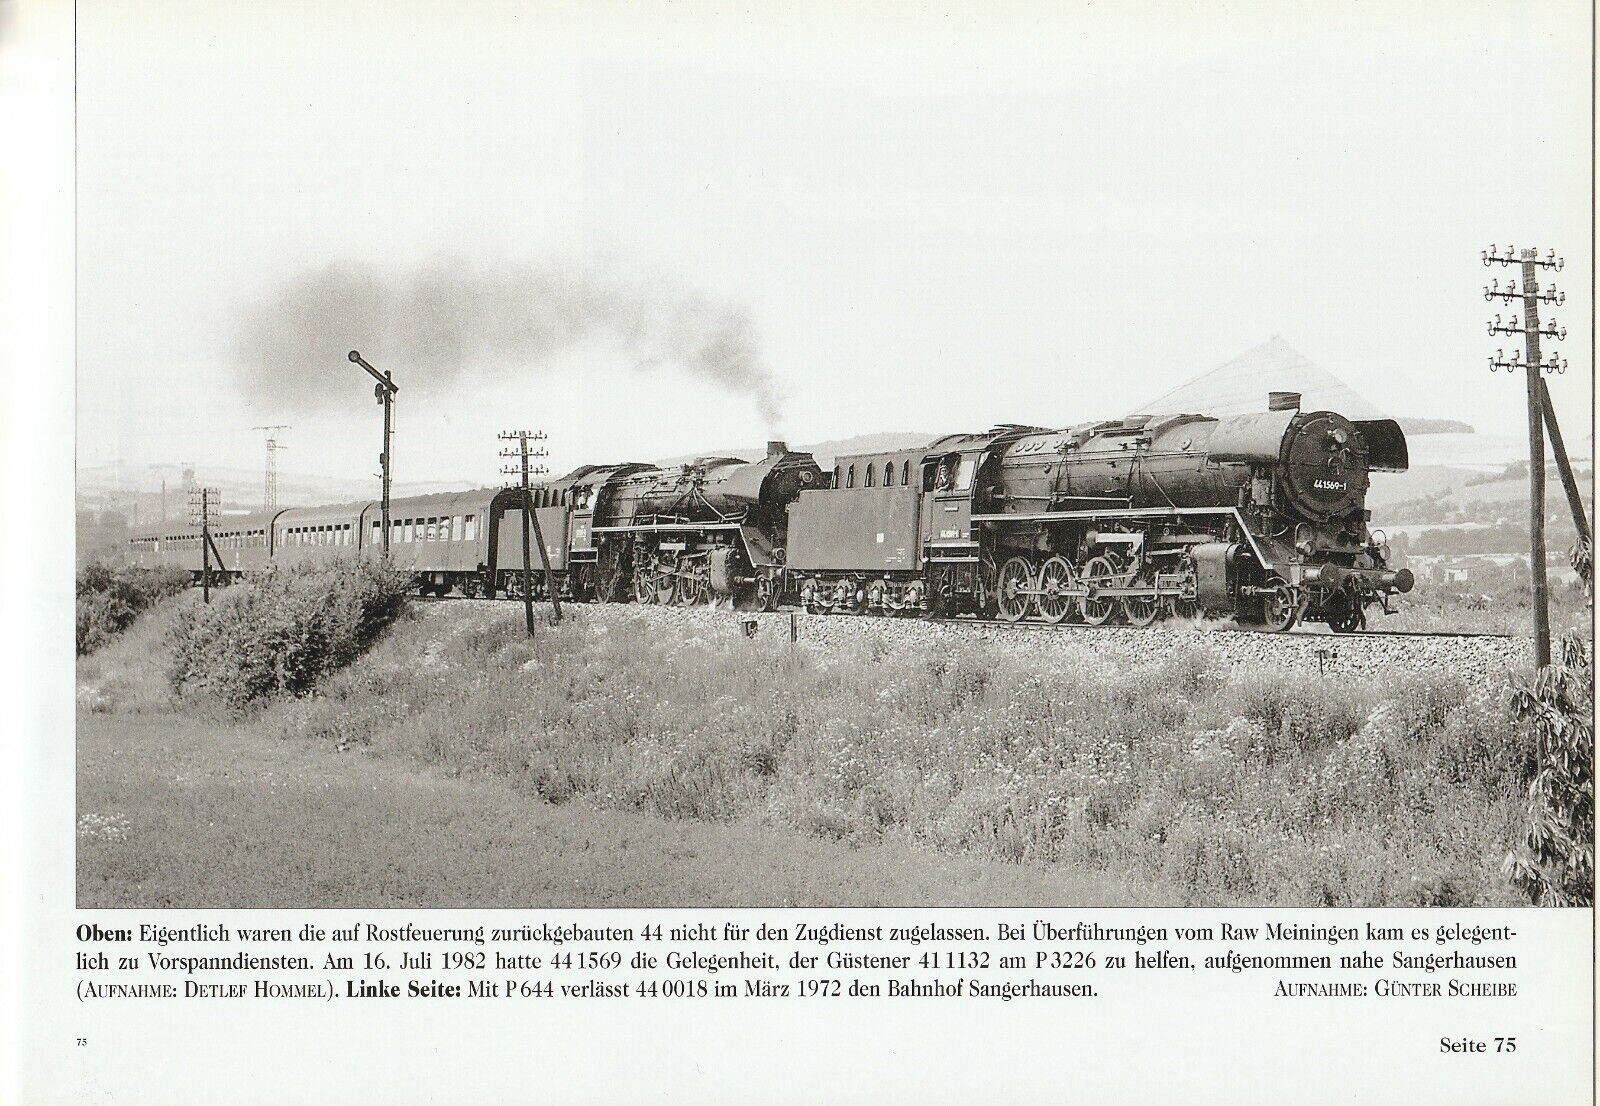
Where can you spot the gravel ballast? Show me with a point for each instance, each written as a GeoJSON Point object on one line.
{"type": "Point", "coordinates": [1348, 655]}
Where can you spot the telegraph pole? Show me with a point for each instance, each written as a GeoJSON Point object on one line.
{"type": "Point", "coordinates": [202, 503]}
{"type": "Point", "coordinates": [269, 497]}
{"type": "Point", "coordinates": [523, 455]}
{"type": "Point", "coordinates": [1529, 328]}
{"type": "Point", "coordinates": [385, 390]}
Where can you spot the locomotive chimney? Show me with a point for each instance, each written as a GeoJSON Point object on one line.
{"type": "Point", "coordinates": [777, 448]}
{"type": "Point", "coordinates": [1283, 401]}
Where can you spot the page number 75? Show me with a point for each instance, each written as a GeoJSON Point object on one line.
{"type": "Point", "coordinates": [1505, 1044]}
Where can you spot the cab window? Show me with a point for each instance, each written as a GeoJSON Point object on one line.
{"type": "Point", "coordinates": [965, 472]}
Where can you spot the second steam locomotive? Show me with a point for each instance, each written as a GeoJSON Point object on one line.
{"type": "Point", "coordinates": [1260, 517]}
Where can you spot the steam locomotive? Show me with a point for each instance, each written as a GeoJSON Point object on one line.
{"type": "Point", "coordinates": [1260, 517]}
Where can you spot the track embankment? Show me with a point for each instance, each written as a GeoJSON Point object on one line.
{"type": "Point", "coordinates": [1364, 655]}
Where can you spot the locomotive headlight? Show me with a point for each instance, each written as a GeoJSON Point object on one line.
{"type": "Point", "coordinates": [1378, 541]}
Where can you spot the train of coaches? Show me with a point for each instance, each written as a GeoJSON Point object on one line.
{"type": "Point", "coordinates": [1259, 517]}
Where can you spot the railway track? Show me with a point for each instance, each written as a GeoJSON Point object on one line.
{"type": "Point", "coordinates": [1221, 627]}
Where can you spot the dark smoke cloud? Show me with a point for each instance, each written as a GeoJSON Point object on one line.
{"type": "Point", "coordinates": [451, 324]}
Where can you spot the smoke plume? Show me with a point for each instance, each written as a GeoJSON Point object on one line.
{"type": "Point", "coordinates": [451, 324]}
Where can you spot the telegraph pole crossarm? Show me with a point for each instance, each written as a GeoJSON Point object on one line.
{"type": "Point", "coordinates": [385, 391]}
{"type": "Point", "coordinates": [202, 502]}
{"type": "Point", "coordinates": [1539, 410]}
{"type": "Point", "coordinates": [522, 455]}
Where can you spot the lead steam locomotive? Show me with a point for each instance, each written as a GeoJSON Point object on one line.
{"type": "Point", "coordinates": [1259, 517]}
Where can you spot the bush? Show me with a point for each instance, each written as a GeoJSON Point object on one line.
{"type": "Point", "coordinates": [1555, 864]}
{"type": "Point", "coordinates": [109, 599]}
{"type": "Point", "coordinates": [283, 630]}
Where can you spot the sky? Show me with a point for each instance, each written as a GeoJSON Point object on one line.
{"type": "Point", "coordinates": [651, 229]}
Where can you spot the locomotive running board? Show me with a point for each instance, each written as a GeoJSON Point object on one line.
{"type": "Point", "coordinates": [1136, 512]}
{"type": "Point", "coordinates": [664, 527]}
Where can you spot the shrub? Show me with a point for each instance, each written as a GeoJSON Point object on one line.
{"type": "Point", "coordinates": [283, 630]}
{"type": "Point", "coordinates": [109, 599]}
{"type": "Point", "coordinates": [1555, 865]}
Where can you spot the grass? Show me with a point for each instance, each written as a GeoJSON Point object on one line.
{"type": "Point", "coordinates": [110, 598]}
{"type": "Point", "coordinates": [175, 812]}
{"type": "Point", "coordinates": [1212, 785]}
{"type": "Point", "coordinates": [610, 762]}
{"type": "Point", "coordinates": [1504, 609]}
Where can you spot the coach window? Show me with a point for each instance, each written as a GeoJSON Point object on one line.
{"type": "Point", "coordinates": [452, 528]}
{"type": "Point", "coordinates": [407, 530]}
{"type": "Point", "coordinates": [470, 533]}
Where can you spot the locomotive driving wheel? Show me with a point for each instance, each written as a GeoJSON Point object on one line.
{"type": "Point", "coordinates": [1097, 612]}
{"type": "Point", "coordinates": [1142, 610]}
{"type": "Point", "coordinates": [1055, 576]}
{"type": "Point", "coordinates": [644, 585]}
{"type": "Point", "coordinates": [1178, 607]}
{"type": "Point", "coordinates": [691, 586]}
{"type": "Point", "coordinates": [1012, 589]}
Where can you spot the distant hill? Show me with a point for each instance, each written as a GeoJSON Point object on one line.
{"type": "Point", "coordinates": [135, 491]}
{"type": "Point", "coordinates": [1434, 426]}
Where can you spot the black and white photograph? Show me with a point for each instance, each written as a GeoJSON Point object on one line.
{"type": "Point", "coordinates": [1043, 468]}
{"type": "Point", "coordinates": [536, 457]}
